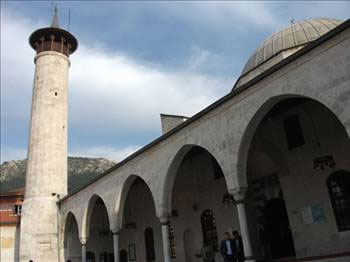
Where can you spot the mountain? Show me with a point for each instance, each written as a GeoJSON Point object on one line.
{"type": "Point", "coordinates": [81, 170]}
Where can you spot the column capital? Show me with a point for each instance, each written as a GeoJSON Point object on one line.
{"type": "Point", "coordinates": [164, 219]}
{"type": "Point", "coordinates": [239, 194]}
{"type": "Point", "coordinates": [83, 240]}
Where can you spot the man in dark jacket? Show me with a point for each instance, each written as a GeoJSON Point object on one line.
{"type": "Point", "coordinates": [227, 248]}
{"type": "Point", "coordinates": [238, 245]}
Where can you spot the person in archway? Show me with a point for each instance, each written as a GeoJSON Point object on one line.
{"type": "Point", "coordinates": [238, 244]}
{"type": "Point", "coordinates": [227, 248]}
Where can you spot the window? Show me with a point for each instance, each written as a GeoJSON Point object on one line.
{"type": "Point", "coordinates": [294, 133]}
{"type": "Point", "coordinates": [17, 209]}
{"type": "Point", "coordinates": [339, 192]}
{"type": "Point", "coordinates": [210, 236]}
{"type": "Point", "coordinates": [149, 242]}
{"type": "Point", "coordinates": [172, 241]}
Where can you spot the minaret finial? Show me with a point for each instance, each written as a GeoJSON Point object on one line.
{"type": "Point", "coordinates": [54, 22]}
{"type": "Point", "coordinates": [53, 38]}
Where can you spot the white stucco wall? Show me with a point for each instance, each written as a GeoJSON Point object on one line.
{"type": "Point", "coordinates": [9, 246]}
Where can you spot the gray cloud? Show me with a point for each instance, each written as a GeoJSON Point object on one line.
{"type": "Point", "coordinates": [115, 95]}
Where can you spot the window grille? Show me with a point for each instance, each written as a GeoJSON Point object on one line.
{"type": "Point", "coordinates": [339, 192]}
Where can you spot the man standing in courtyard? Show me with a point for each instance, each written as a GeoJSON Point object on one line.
{"type": "Point", "coordinates": [238, 244]}
{"type": "Point", "coordinates": [227, 248]}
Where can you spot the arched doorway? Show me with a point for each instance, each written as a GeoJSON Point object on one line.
{"type": "Point", "coordinates": [188, 241]}
{"type": "Point", "coordinates": [277, 229]}
{"type": "Point", "coordinates": [197, 205]}
{"type": "Point", "coordinates": [123, 256]}
{"type": "Point", "coordinates": [149, 244]}
{"type": "Point", "coordinates": [141, 229]}
{"type": "Point", "coordinates": [293, 148]}
{"type": "Point", "coordinates": [100, 241]}
{"type": "Point", "coordinates": [72, 244]}
{"type": "Point", "coordinates": [264, 195]}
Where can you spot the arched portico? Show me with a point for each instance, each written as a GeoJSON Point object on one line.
{"type": "Point", "coordinates": [96, 236]}
{"type": "Point", "coordinates": [86, 219]}
{"type": "Point", "coordinates": [72, 247]}
{"type": "Point", "coordinates": [119, 207]}
{"type": "Point", "coordinates": [311, 142]}
{"type": "Point", "coordinates": [137, 215]}
{"type": "Point", "coordinates": [260, 109]}
{"type": "Point", "coordinates": [194, 192]}
{"type": "Point", "coordinates": [172, 171]}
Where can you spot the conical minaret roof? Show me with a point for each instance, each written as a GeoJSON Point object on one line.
{"type": "Point", "coordinates": [55, 22]}
{"type": "Point", "coordinates": [53, 38]}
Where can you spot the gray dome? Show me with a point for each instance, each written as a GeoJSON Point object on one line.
{"type": "Point", "coordinates": [295, 35]}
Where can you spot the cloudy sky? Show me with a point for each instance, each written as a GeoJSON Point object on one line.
{"type": "Point", "coordinates": [136, 60]}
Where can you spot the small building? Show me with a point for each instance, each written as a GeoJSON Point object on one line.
{"type": "Point", "coordinates": [10, 219]}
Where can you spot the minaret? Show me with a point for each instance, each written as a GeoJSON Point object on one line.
{"type": "Point", "coordinates": [46, 177]}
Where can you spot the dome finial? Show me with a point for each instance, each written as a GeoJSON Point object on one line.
{"type": "Point", "coordinates": [54, 22]}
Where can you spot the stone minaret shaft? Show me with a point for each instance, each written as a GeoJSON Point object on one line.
{"type": "Point", "coordinates": [46, 177]}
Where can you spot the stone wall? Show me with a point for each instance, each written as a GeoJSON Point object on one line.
{"type": "Point", "coordinates": [301, 185]}
{"type": "Point", "coordinates": [226, 132]}
{"type": "Point", "coordinates": [46, 176]}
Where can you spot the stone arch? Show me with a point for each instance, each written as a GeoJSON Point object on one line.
{"type": "Point", "coordinates": [88, 213]}
{"type": "Point", "coordinates": [121, 198]}
{"type": "Point", "coordinates": [69, 220]}
{"type": "Point", "coordinates": [70, 216]}
{"type": "Point", "coordinates": [256, 115]}
{"type": "Point", "coordinates": [166, 198]}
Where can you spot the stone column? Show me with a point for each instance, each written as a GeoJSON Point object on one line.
{"type": "Point", "coordinates": [83, 249]}
{"type": "Point", "coordinates": [164, 220]}
{"type": "Point", "coordinates": [239, 196]}
{"type": "Point", "coordinates": [116, 245]}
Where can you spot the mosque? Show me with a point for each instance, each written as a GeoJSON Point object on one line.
{"type": "Point", "coordinates": [270, 160]}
